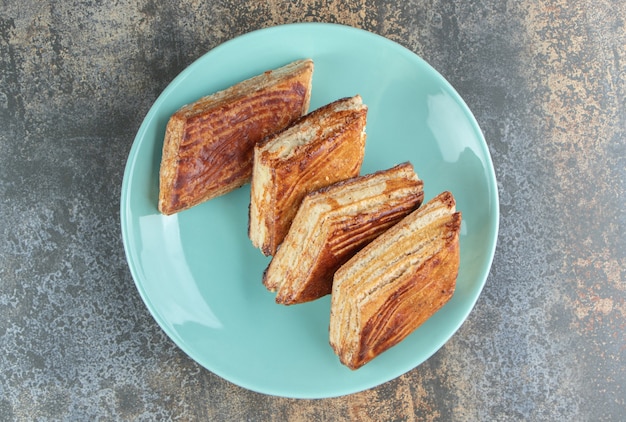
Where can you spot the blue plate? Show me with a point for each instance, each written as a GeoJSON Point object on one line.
{"type": "Point", "coordinates": [198, 273]}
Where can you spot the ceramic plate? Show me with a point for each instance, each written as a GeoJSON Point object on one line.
{"type": "Point", "coordinates": [198, 273]}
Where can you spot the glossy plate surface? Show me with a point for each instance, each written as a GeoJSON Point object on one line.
{"type": "Point", "coordinates": [198, 273]}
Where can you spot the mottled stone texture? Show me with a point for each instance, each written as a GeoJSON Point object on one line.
{"type": "Point", "coordinates": [547, 83]}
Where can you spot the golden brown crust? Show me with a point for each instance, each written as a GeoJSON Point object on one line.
{"type": "Point", "coordinates": [208, 145]}
{"type": "Point", "coordinates": [332, 224]}
{"type": "Point", "coordinates": [413, 302]}
{"type": "Point", "coordinates": [319, 149]}
{"type": "Point", "coordinates": [397, 282]}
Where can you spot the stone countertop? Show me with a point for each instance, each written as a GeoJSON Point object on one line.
{"type": "Point", "coordinates": [546, 81]}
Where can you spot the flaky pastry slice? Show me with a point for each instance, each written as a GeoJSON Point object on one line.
{"type": "Point", "coordinates": [207, 150]}
{"type": "Point", "coordinates": [319, 149]}
{"type": "Point", "coordinates": [395, 283]}
{"type": "Point", "coordinates": [335, 222]}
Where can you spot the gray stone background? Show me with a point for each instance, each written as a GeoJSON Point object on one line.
{"type": "Point", "coordinates": [547, 83]}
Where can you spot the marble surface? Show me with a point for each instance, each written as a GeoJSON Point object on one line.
{"type": "Point", "coordinates": [546, 81]}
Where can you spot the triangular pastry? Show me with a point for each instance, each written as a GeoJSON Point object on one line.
{"type": "Point", "coordinates": [395, 283]}
{"type": "Point", "coordinates": [319, 149]}
{"type": "Point", "coordinates": [332, 224]}
{"type": "Point", "coordinates": [208, 145]}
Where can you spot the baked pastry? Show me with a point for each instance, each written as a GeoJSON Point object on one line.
{"type": "Point", "coordinates": [208, 144]}
{"type": "Point", "coordinates": [332, 224]}
{"type": "Point", "coordinates": [395, 283]}
{"type": "Point", "coordinates": [319, 149]}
